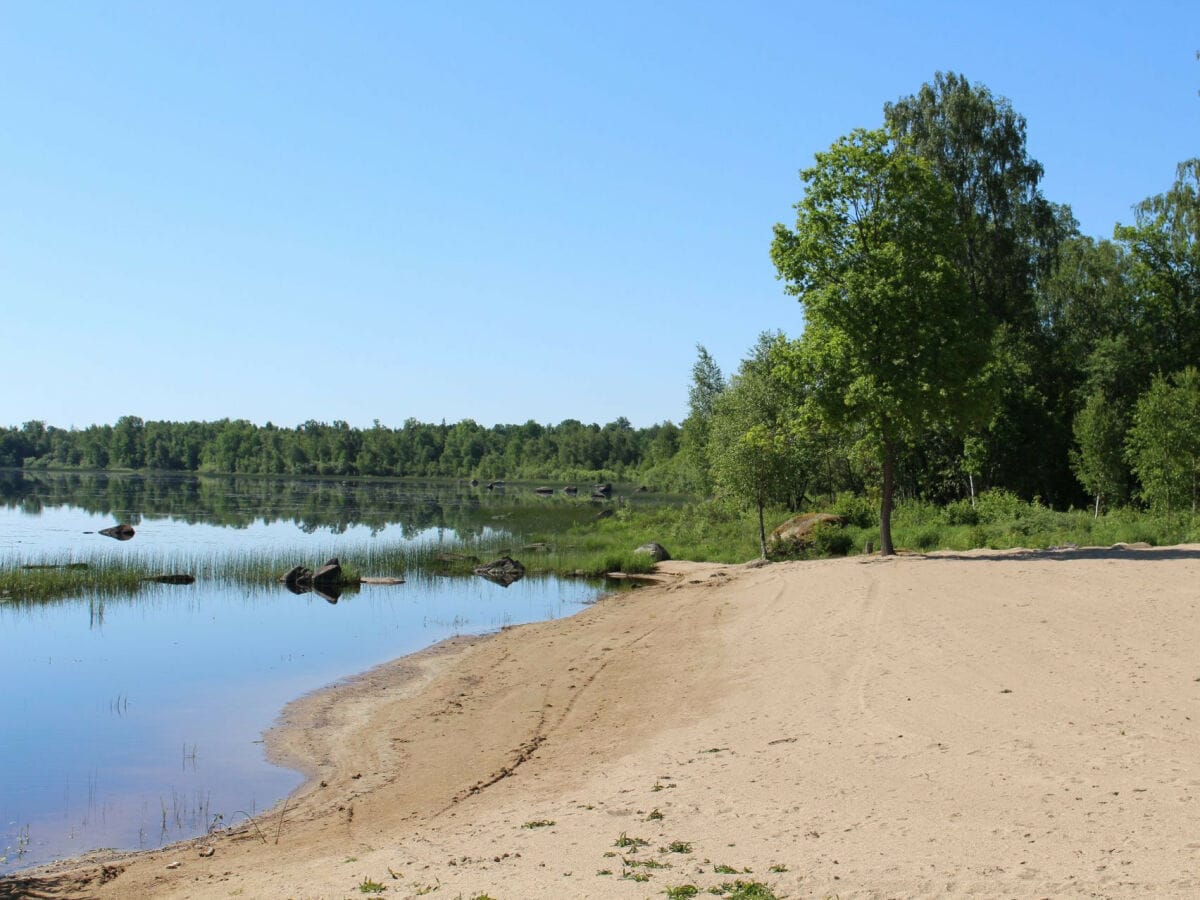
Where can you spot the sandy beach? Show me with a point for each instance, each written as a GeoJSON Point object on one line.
{"type": "Point", "coordinates": [989, 724]}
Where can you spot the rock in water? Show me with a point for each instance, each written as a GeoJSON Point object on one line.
{"type": "Point", "coordinates": [328, 574]}
{"type": "Point", "coordinates": [120, 532]}
{"type": "Point", "coordinates": [503, 571]}
{"type": "Point", "coordinates": [171, 579]}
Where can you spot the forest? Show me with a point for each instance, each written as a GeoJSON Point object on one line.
{"type": "Point", "coordinates": [961, 336]}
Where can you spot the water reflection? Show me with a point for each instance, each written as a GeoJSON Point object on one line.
{"type": "Point", "coordinates": [133, 720]}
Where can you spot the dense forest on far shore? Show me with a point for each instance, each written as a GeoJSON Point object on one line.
{"type": "Point", "coordinates": [570, 451]}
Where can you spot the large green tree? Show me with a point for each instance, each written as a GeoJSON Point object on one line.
{"type": "Point", "coordinates": [976, 143]}
{"type": "Point", "coordinates": [896, 340]}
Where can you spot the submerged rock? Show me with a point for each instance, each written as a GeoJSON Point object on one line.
{"type": "Point", "coordinates": [171, 579]}
{"type": "Point", "coordinates": [120, 532]}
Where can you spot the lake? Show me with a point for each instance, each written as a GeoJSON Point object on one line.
{"type": "Point", "coordinates": [131, 721]}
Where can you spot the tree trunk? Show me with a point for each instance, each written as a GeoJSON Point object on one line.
{"type": "Point", "coordinates": [1097, 515]}
{"type": "Point", "coordinates": [971, 479]}
{"type": "Point", "coordinates": [762, 531]}
{"type": "Point", "coordinates": [885, 512]}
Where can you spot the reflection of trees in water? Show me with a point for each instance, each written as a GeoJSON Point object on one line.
{"type": "Point", "coordinates": [311, 505]}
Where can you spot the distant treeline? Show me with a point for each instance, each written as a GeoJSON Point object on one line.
{"type": "Point", "coordinates": [570, 450]}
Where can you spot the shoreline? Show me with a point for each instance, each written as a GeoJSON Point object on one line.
{"type": "Point", "coordinates": [953, 724]}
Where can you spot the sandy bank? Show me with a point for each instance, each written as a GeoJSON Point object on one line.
{"type": "Point", "coordinates": [984, 724]}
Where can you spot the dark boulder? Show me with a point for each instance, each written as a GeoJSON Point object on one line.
{"type": "Point", "coordinates": [330, 573]}
{"type": "Point", "coordinates": [570, 490]}
{"type": "Point", "coordinates": [171, 579]}
{"type": "Point", "coordinates": [503, 571]}
{"type": "Point", "coordinates": [120, 532]}
{"type": "Point", "coordinates": [604, 490]}
{"type": "Point", "coordinates": [544, 491]}
{"type": "Point", "coordinates": [654, 549]}
{"type": "Point", "coordinates": [298, 580]}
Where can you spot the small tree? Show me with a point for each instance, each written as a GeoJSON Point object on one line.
{"type": "Point", "coordinates": [1099, 462]}
{"type": "Point", "coordinates": [1163, 446]}
{"type": "Point", "coordinates": [756, 449]}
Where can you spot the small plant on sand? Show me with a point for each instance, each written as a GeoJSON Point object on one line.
{"type": "Point", "coordinates": [538, 823]}
{"type": "Point", "coordinates": [682, 891]}
{"type": "Point", "coordinates": [779, 867]}
{"type": "Point", "coordinates": [624, 840]}
{"type": "Point", "coordinates": [371, 887]}
{"type": "Point", "coordinates": [646, 863]}
{"type": "Point", "coordinates": [747, 890]}
{"type": "Point", "coordinates": [725, 870]}
{"type": "Point", "coordinates": [677, 847]}
{"type": "Point", "coordinates": [655, 815]}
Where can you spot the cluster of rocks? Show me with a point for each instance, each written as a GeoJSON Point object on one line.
{"type": "Point", "coordinates": [503, 571]}
{"type": "Point", "coordinates": [326, 582]}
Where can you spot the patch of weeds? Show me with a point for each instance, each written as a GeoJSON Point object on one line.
{"type": "Point", "coordinates": [747, 890]}
{"type": "Point", "coordinates": [604, 872]}
{"type": "Point", "coordinates": [371, 887]}
{"type": "Point", "coordinates": [659, 786]}
{"type": "Point", "coordinates": [630, 875]}
{"type": "Point", "coordinates": [626, 841]}
{"type": "Point", "coordinates": [655, 815]}
{"type": "Point", "coordinates": [779, 867]}
{"type": "Point", "coordinates": [677, 847]}
{"type": "Point", "coordinates": [646, 863]}
{"type": "Point", "coordinates": [483, 897]}
{"type": "Point", "coordinates": [539, 823]}
{"type": "Point", "coordinates": [725, 870]}
{"type": "Point", "coordinates": [682, 891]}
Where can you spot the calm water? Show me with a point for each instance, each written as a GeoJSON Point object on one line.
{"type": "Point", "coordinates": [132, 722]}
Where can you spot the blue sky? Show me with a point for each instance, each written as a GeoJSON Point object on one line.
{"type": "Point", "coordinates": [494, 211]}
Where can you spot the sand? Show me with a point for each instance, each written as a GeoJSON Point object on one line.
{"type": "Point", "coordinates": [987, 724]}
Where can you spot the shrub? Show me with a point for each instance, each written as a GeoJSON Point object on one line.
{"type": "Point", "coordinates": [961, 512]}
{"type": "Point", "coordinates": [855, 510]}
{"type": "Point", "coordinates": [831, 540]}
{"type": "Point", "coordinates": [999, 505]}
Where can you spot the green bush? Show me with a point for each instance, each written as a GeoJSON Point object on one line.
{"type": "Point", "coordinates": [960, 512]}
{"type": "Point", "coordinates": [999, 505]}
{"type": "Point", "coordinates": [855, 510]}
{"type": "Point", "coordinates": [928, 538]}
{"type": "Point", "coordinates": [831, 540]}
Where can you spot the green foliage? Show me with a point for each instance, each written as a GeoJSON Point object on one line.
{"type": "Point", "coordinates": [855, 509]}
{"type": "Point", "coordinates": [895, 340]}
{"type": "Point", "coordinates": [1164, 442]}
{"type": "Point", "coordinates": [1099, 462]}
{"type": "Point", "coordinates": [830, 540]}
{"type": "Point", "coordinates": [961, 512]}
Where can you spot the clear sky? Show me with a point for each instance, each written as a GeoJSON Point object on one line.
{"type": "Point", "coordinates": [497, 211]}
